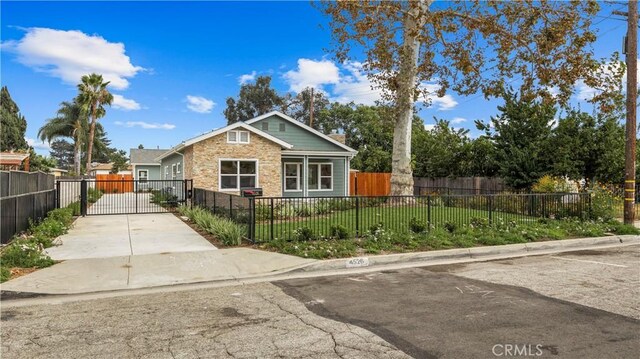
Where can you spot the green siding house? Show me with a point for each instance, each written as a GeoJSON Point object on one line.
{"type": "Point", "coordinates": [273, 151]}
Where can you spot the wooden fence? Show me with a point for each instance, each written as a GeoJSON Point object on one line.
{"type": "Point", "coordinates": [369, 184]}
{"type": "Point", "coordinates": [114, 183]}
{"type": "Point", "coordinates": [462, 185]}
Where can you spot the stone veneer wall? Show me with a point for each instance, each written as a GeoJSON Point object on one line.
{"type": "Point", "coordinates": [202, 160]}
{"type": "Point", "coordinates": [187, 156]}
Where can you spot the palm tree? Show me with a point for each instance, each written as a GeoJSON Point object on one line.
{"type": "Point", "coordinates": [69, 122]}
{"type": "Point", "coordinates": [92, 97]}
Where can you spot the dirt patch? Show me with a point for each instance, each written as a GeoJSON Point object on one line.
{"type": "Point", "coordinates": [19, 272]}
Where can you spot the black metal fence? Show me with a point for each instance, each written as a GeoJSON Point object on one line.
{"type": "Point", "coordinates": [273, 218]}
{"type": "Point", "coordinates": [24, 197]}
{"type": "Point", "coordinates": [100, 197]}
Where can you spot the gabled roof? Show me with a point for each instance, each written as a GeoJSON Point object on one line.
{"type": "Point", "coordinates": [302, 125]}
{"type": "Point", "coordinates": [221, 130]}
{"type": "Point", "coordinates": [146, 156]}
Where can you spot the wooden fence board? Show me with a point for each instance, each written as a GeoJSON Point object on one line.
{"type": "Point", "coordinates": [114, 183]}
{"type": "Point", "coordinates": [369, 184]}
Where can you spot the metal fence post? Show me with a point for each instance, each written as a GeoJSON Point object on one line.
{"type": "Point", "coordinates": [489, 205]}
{"type": "Point", "coordinates": [357, 216]}
{"type": "Point", "coordinates": [590, 210]}
{"type": "Point", "coordinates": [83, 197]}
{"type": "Point", "coordinates": [429, 211]}
{"type": "Point", "coordinates": [252, 219]}
{"type": "Point", "coordinates": [230, 206]}
{"type": "Point", "coordinates": [272, 215]}
{"type": "Point", "coordinates": [57, 194]}
{"type": "Point", "coordinates": [215, 204]}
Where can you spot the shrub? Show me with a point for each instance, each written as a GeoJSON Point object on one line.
{"type": "Point", "coordinates": [602, 203]}
{"type": "Point", "coordinates": [338, 231]}
{"type": "Point", "coordinates": [75, 208]}
{"type": "Point", "coordinates": [93, 195]}
{"type": "Point", "coordinates": [286, 211]}
{"type": "Point", "coordinates": [303, 234]}
{"type": "Point", "coordinates": [417, 226]}
{"type": "Point", "coordinates": [376, 227]}
{"type": "Point", "coordinates": [322, 207]}
{"type": "Point", "coordinates": [5, 274]}
{"type": "Point", "coordinates": [479, 222]}
{"type": "Point", "coordinates": [549, 184]}
{"type": "Point", "coordinates": [163, 197]}
{"type": "Point", "coordinates": [25, 254]}
{"type": "Point", "coordinates": [450, 226]}
{"type": "Point", "coordinates": [437, 201]}
{"type": "Point", "coordinates": [304, 210]}
{"type": "Point", "coordinates": [225, 230]}
{"type": "Point", "coordinates": [263, 212]}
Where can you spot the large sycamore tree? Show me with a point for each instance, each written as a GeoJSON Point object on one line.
{"type": "Point", "coordinates": [415, 50]}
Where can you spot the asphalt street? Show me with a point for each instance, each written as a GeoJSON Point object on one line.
{"type": "Point", "coordinates": [572, 305]}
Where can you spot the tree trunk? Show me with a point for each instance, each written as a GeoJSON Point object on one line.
{"type": "Point", "coordinates": [92, 132]}
{"type": "Point", "coordinates": [401, 172]}
{"type": "Point", "coordinates": [76, 157]}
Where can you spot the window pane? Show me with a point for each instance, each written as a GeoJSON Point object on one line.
{"type": "Point", "coordinates": [247, 181]}
{"type": "Point", "coordinates": [282, 128]}
{"type": "Point", "coordinates": [244, 136]}
{"type": "Point", "coordinates": [228, 167]}
{"type": "Point", "coordinates": [229, 182]}
{"type": "Point", "coordinates": [232, 136]}
{"type": "Point", "coordinates": [247, 167]}
{"type": "Point", "coordinates": [313, 177]}
{"type": "Point", "coordinates": [265, 126]}
{"type": "Point", "coordinates": [325, 170]}
{"type": "Point", "coordinates": [325, 183]}
{"type": "Point", "coordinates": [291, 170]}
{"type": "Point", "coordinates": [291, 184]}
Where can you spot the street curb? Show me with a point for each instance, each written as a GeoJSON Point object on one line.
{"type": "Point", "coordinates": [475, 253]}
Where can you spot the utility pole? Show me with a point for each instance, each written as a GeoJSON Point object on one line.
{"type": "Point", "coordinates": [311, 110]}
{"type": "Point", "coordinates": [631, 59]}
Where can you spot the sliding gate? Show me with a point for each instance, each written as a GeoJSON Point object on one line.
{"type": "Point", "coordinates": [126, 196]}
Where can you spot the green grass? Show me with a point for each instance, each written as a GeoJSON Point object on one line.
{"type": "Point", "coordinates": [397, 218]}
{"type": "Point", "coordinates": [382, 240]}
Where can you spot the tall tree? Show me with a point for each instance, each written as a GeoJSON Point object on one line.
{"type": "Point", "coordinates": [63, 152]}
{"type": "Point", "coordinates": [442, 151]}
{"type": "Point", "coordinates": [13, 124]}
{"type": "Point", "coordinates": [119, 159]}
{"type": "Point", "coordinates": [306, 102]}
{"type": "Point", "coordinates": [71, 122]}
{"type": "Point", "coordinates": [93, 96]}
{"type": "Point", "coordinates": [253, 100]}
{"type": "Point", "coordinates": [415, 51]}
{"type": "Point", "coordinates": [521, 134]}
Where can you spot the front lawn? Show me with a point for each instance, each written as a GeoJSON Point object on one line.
{"type": "Point", "coordinates": [382, 240]}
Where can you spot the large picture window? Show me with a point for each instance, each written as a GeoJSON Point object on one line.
{"type": "Point", "coordinates": [236, 174]}
{"type": "Point", "coordinates": [292, 176]}
{"type": "Point", "coordinates": [320, 177]}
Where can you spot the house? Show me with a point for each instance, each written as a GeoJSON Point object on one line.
{"type": "Point", "coordinates": [14, 160]}
{"type": "Point", "coordinates": [144, 164]}
{"type": "Point", "coordinates": [105, 169]}
{"type": "Point", "coordinates": [58, 172]}
{"type": "Point", "coordinates": [273, 151]}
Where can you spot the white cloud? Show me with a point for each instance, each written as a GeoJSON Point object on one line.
{"type": "Point", "coordinates": [69, 55]}
{"type": "Point", "coordinates": [146, 125]}
{"type": "Point", "coordinates": [312, 73]}
{"type": "Point", "coordinates": [429, 127]}
{"type": "Point", "coordinates": [122, 103]}
{"type": "Point", "coordinates": [37, 144]}
{"type": "Point", "coordinates": [199, 104]}
{"type": "Point", "coordinates": [243, 79]}
{"type": "Point", "coordinates": [457, 120]}
{"type": "Point", "coordinates": [356, 87]}
{"type": "Point", "coordinates": [446, 102]}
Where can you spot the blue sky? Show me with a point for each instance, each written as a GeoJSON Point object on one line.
{"type": "Point", "coordinates": [172, 65]}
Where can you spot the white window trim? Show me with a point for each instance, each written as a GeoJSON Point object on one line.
{"type": "Point", "coordinates": [220, 160]}
{"type": "Point", "coordinates": [317, 165]}
{"type": "Point", "coordinates": [178, 167]}
{"type": "Point", "coordinates": [238, 136]}
{"type": "Point", "coordinates": [298, 177]}
{"type": "Point", "coordinates": [166, 172]}
{"type": "Point", "coordinates": [173, 171]}
{"type": "Point", "coordinates": [146, 177]}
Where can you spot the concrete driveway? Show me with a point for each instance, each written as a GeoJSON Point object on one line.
{"type": "Point", "coordinates": [126, 235]}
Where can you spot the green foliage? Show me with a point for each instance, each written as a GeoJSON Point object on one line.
{"type": "Point", "coordinates": [93, 195]}
{"type": "Point", "coordinates": [5, 274]}
{"type": "Point", "coordinates": [119, 160]}
{"type": "Point", "coordinates": [13, 124]}
{"type": "Point", "coordinates": [225, 230]}
{"type": "Point", "coordinates": [62, 152]}
{"type": "Point", "coordinates": [549, 184]}
{"type": "Point", "coordinates": [479, 222]}
{"type": "Point", "coordinates": [304, 234]}
{"type": "Point", "coordinates": [450, 226]}
{"type": "Point", "coordinates": [602, 203]}
{"type": "Point", "coordinates": [25, 254]}
{"type": "Point", "coordinates": [417, 226]}
{"type": "Point", "coordinates": [75, 208]}
{"type": "Point", "coordinates": [338, 231]}
{"type": "Point", "coordinates": [254, 99]}
{"type": "Point", "coordinates": [163, 198]}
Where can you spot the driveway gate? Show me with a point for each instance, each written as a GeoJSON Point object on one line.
{"type": "Point", "coordinates": [126, 196]}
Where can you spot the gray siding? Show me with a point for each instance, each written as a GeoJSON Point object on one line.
{"type": "Point", "coordinates": [338, 177]}
{"type": "Point", "coordinates": [301, 139]}
{"type": "Point", "coordinates": [174, 159]}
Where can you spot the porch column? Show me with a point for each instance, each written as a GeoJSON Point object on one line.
{"type": "Point", "coordinates": [303, 170]}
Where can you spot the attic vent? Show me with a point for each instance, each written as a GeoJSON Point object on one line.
{"type": "Point", "coordinates": [265, 126]}
{"type": "Point", "coordinates": [282, 128]}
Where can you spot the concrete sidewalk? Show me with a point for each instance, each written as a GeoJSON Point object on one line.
{"type": "Point", "coordinates": [126, 235]}
{"type": "Point", "coordinates": [154, 270]}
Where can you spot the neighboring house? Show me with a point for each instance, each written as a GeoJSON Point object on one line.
{"type": "Point", "coordinates": [144, 163]}
{"type": "Point", "coordinates": [13, 161]}
{"type": "Point", "coordinates": [274, 152]}
{"type": "Point", "coordinates": [105, 169]}
{"type": "Point", "coordinates": [58, 172]}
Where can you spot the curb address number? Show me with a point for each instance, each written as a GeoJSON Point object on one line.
{"type": "Point", "coordinates": [358, 262]}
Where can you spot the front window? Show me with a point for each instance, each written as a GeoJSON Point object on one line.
{"type": "Point", "coordinates": [173, 171]}
{"type": "Point", "coordinates": [143, 175]}
{"type": "Point", "coordinates": [166, 172]}
{"type": "Point", "coordinates": [320, 177]}
{"type": "Point", "coordinates": [236, 174]}
{"type": "Point", "coordinates": [292, 176]}
{"type": "Point", "coordinates": [179, 167]}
